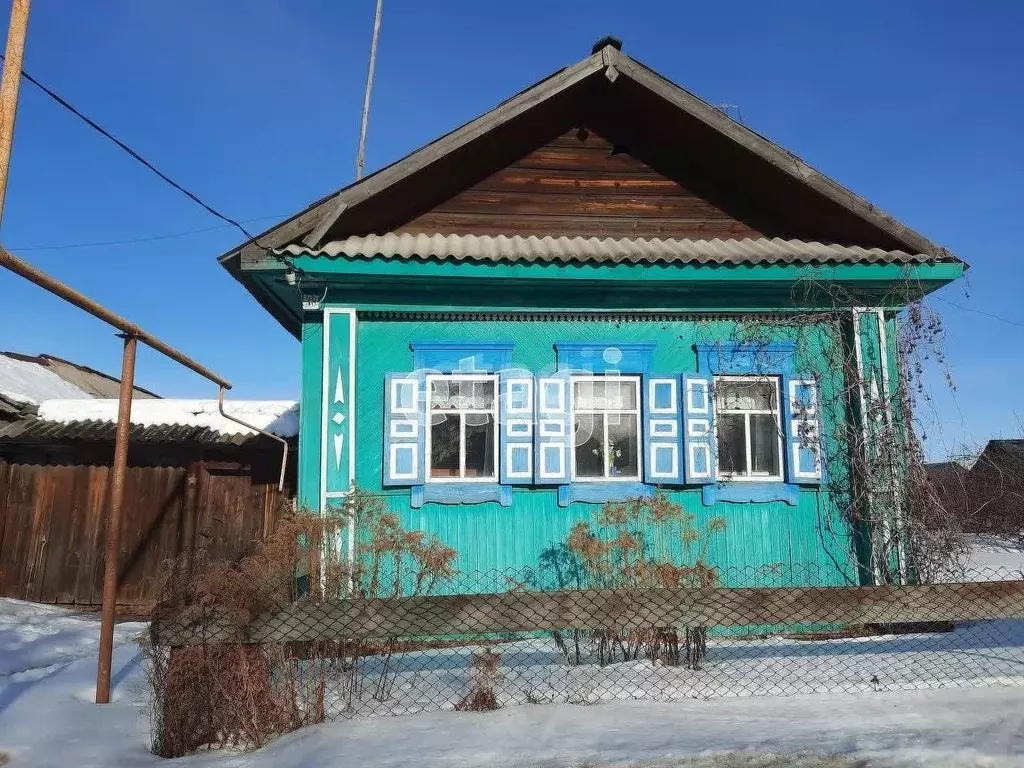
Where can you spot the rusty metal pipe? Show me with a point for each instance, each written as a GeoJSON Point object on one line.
{"type": "Point", "coordinates": [271, 435]}
{"type": "Point", "coordinates": [120, 468]}
{"type": "Point", "coordinates": [55, 286]}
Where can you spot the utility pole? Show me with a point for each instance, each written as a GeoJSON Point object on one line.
{"type": "Point", "coordinates": [9, 89]}
{"type": "Point", "coordinates": [129, 332]}
{"type": "Point", "coordinates": [361, 154]}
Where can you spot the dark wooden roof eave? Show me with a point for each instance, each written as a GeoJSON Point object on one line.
{"type": "Point", "coordinates": [311, 225]}
{"type": "Point", "coordinates": [321, 214]}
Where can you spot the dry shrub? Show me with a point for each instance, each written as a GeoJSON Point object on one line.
{"type": "Point", "coordinates": [484, 673]}
{"type": "Point", "coordinates": [242, 695]}
{"type": "Point", "coordinates": [644, 543]}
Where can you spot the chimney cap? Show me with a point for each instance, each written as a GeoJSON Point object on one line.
{"type": "Point", "coordinates": [605, 41]}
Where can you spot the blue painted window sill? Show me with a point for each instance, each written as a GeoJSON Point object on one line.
{"type": "Point", "coordinates": [461, 493]}
{"type": "Point", "coordinates": [601, 493]}
{"type": "Point", "coordinates": [741, 492]}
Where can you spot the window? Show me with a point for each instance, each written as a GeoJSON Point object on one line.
{"type": "Point", "coordinates": [747, 427]}
{"type": "Point", "coordinates": [462, 441]}
{"type": "Point", "coordinates": [606, 423]}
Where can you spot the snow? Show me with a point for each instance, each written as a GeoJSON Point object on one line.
{"type": "Point", "coordinates": [990, 554]}
{"type": "Point", "coordinates": [47, 718]}
{"type": "Point", "coordinates": [32, 383]}
{"type": "Point", "coordinates": [534, 671]}
{"type": "Point", "coordinates": [280, 417]}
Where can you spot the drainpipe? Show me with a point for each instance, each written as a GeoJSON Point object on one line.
{"type": "Point", "coordinates": [281, 440]}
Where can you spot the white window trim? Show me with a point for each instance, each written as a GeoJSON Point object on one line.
{"type": "Point", "coordinates": [395, 385]}
{"type": "Point", "coordinates": [748, 412]}
{"type": "Point", "coordinates": [652, 387]}
{"type": "Point", "coordinates": [674, 471]}
{"type": "Point", "coordinates": [671, 431]}
{"type": "Point", "coordinates": [543, 385]}
{"type": "Point", "coordinates": [414, 449]}
{"type": "Point", "coordinates": [397, 433]}
{"type": "Point", "coordinates": [795, 406]}
{"type": "Point", "coordinates": [462, 429]}
{"type": "Point", "coordinates": [636, 411]}
{"type": "Point", "coordinates": [511, 448]}
{"type": "Point", "coordinates": [546, 448]}
{"type": "Point", "coordinates": [527, 385]}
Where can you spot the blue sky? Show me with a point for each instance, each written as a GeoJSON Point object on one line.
{"type": "Point", "coordinates": [254, 104]}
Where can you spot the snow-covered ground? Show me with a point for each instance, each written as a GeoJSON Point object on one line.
{"type": "Point", "coordinates": [994, 554]}
{"type": "Point", "coordinates": [47, 718]}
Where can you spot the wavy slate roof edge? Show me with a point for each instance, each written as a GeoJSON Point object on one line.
{"type": "Point", "coordinates": [40, 430]}
{"type": "Point", "coordinates": [501, 248]}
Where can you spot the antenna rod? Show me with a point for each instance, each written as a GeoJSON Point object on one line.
{"type": "Point", "coordinates": [361, 155]}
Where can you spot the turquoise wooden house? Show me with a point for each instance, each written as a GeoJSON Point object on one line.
{"type": "Point", "coordinates": [602, 287]}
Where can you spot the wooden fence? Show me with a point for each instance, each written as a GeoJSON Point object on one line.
{"type": "Point", "coordinates": [603, 609]}
{"type": "Point", "coordinates": [53, 506]}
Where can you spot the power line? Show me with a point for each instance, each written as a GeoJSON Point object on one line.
{"type": "Point", "coordinates": [97, 244]}
{"type": "Point", "coordinates": [98, 128]}
{"type": "Point", "coordinates": [1017, 323]}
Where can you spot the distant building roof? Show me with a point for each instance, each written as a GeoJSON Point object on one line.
{"type": "Point", "coordinates": [155, 420]}
{"type": "Point", "coordinates": [26, 381]}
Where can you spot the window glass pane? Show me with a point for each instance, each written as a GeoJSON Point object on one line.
{"type": "Point", "coordinates": [479, 445]}
{"type": "Point", "coordinates": [620, 394]}
{"type": "Point", "coordinates": [622, 445]}
{"type": "Point", "coordinates": [746, 395]}
{"type": "Point", "coordinates": [588, 395]}
{"type": "Point", "coordinates": [732, 446]}
{"type": "Point", "coordinates": [764, 444]}
{"type": "Point", "coordinates": [442, 395]}
{"type": "Point", "coordinates": [589, 445]}
{"type": "Point", "coordinates": [444, 445]}
{"type": "Point", "coordinates": [480, 394]}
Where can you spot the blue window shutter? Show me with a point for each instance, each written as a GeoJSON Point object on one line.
{"type": "Point", "coordinates": [699, 429]}
{"type": "Point", "coordinates": [801, 410]}
{"type": "Point", "coordinates": [404, 425]}
{"type": "Point", "coordinates": [663, 433]}
{"type": "Point", "coordinates": [516, 411]}
{"type": "Point", "coordinates": [553, 438]}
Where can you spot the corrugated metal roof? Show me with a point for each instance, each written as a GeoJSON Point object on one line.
{"type": "Point", "coordinates": [280, 417]}
{"type": "Point", "coordinates": [609, 250]}
{"type": "Point", "coordinates": [34, 430]}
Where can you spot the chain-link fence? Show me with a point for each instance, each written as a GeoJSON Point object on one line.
{"type": "Point", "coordinates": [501, 643]}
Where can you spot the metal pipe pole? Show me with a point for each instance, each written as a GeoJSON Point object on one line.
{"type": "Point", "coordinates": [124, 419]}
{"type": "Point", "coordinates": [56, 287]}
{"type": "Point", "coordinates": [361, 154]}
{"type": "Point", "coordinates": [9, 89]}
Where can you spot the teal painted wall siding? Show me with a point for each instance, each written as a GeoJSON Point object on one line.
{"type": "Point", "coordinates": [810, 543]}
{"type": "Point", "coordinates": [310, 413]}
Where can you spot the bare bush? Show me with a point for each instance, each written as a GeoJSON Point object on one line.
{"type": "Point", "coordinates": [242, 695]}
{"type": "Point", "coordinates": [484, 675]}
{"type": "Point", "coordinates": [642, 543]}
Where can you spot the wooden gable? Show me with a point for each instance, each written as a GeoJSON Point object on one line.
{"type": "Point", "coordinates": [581, 184]}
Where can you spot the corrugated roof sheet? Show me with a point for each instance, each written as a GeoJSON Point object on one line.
{"type": "Point", "coordinates": [609, 250]}
{"type": "Point", "coordinates": [281, 417]}
{"type": "Point", "coordinates": [36, 430]}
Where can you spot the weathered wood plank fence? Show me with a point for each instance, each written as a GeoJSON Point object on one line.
{"type": "Point", "coordinates": [53, 507]}
{"type": "Point", "coordinates": [603, 609]}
